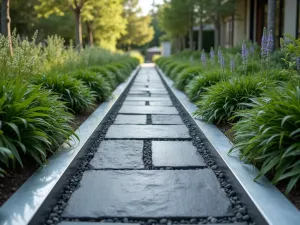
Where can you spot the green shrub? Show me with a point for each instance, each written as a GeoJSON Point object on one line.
{"type": "Point", "coordinates": [109, 76]}
{"type": "Point", "coordinates": [138, 56]}
{"type": "Point", "coordinates": [155, 57]}
{"type": "Point", "coordinates": [199, 84]}
{"type": "Point", "coordinates": [78, 96]}
{"type": "Point", "coordinates": [96, 82]}
{"type": "Point", "coordinates": [165, 65]}
{"type": "Point", "coordinates": [178, 69]}
{"type": "Point", "coordinates": [268, 134]}
{"type": "Point", "coordinates": [221, 101]}
{"type": "Point", "coordinates": [170, 67]}
{"type": "Point", "coordinates": [183, 79]}
{"type": "Point", "coordinates": [33, 121]}
{"type": "Point", "coordinates": [120, 76]}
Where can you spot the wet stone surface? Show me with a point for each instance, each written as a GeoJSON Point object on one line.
{"type": "Point", "coordinates": [148, 194]}
{"type": "Point", "coordinates": [130, 119]}
{"type": "Point", "coordinates": [148, 110]}
{"type": "Point", "coordinates": [175, 154]}
{"type": "Point", "coordinates": [161, 103]}
{"type": "Point", "coordinates": [166, 119]}
{"type": "Point", "coordinates": [147, 131]}
{"type": "Point", "coordinates": [119, 154]}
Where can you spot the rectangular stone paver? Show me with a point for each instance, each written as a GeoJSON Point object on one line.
{"type": "Point", "coordinates": [119, 154]}
{"type": "Point", "coordinates": [175, 154]}
{"type": "Point", "coordinates": [166, 119]}
{"type": "Point", "coordinates": [148, 194]}
{"type": "Point", "coordinates": [148, 110]}
{"type": "Point", "coordinates": [134, 103]}
{"type": "Point", "coordinates": [130, 119]}
{"type": "Point", "coordinates": [161, 103]}
{"type": "Point", "coordinates": [131, 98]}
{"type": "Point", "coordinates": [147, 131]}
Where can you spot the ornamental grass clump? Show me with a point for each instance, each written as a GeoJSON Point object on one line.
{"type": "Point", "coordinates": [268, 134]}
{"type": "Point", "coordinates": [120, 76]}
{"type": "Point", "coordinates": [75, 93]}
{"type": "Point", "coordinates": [33, 121]}
{"type": "Point", "coordinates": [170, 67]}
{"type": "Point", "coordinates": [199, 84]}
{"type": "Point", "coordinates": [96, 82]}
{"type": "Point", "coordinates": [178, 69]}
{"type": "Point", "coordinates": [183, 79]}
{"type": "Point", "coordinates": [221, 101]}
{"type": "Point", "coordinates": [107, 74]}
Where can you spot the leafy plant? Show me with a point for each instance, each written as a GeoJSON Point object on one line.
{"type": "Point", "coordinates": [186, 76]}
{"type": "Point", "coordinates": [78, 96]}
{"type": "Point", "coordinates": [221, 101]}
{"type": "Point", "coordinates": [120, 77]}
{"type": "Point", "coordinates": [96, 82]}
{"type": "Point", "coordinates": [33, 121]}
{"type": "Point", "coordinates": [109, 76]}
{"type": "Point", "coordinates": [268, 134]}
{"type": "Point", "coordinates": [178, 69]}
{"type": "Point", "coordinates": [199, 83]}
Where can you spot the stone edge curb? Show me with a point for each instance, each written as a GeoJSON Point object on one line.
{"type": "Point", "coordinates": [21, 207]}
{"type": "Point", "coordinates": [272, 204]}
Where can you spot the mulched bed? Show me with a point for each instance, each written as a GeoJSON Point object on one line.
{"type": "Point", "coordinates": [293, 196]}
{"type": "Point", "coordinates": [15, 178]}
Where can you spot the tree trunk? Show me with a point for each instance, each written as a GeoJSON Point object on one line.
{"type": "Point", "coordinates": [200, 37]}
{"type": "Point", "coordinates": [272, 19]}
{"type": "Point", "coordinates": [5, 23]}
{"type": "Point", "coordinates": [78, 28]}
{"type": "Point", "coordinates": [90, 34]}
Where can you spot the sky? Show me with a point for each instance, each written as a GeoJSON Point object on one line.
{"type": "Point", "coordinates": [146, 5]}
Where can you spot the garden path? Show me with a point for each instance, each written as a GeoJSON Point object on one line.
{"type": "Point", "coordinates": [148, 169]}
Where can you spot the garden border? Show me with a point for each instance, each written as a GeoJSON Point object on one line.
{"type": "Point", "coordinates": [22, 206]}
{"type": "Point", "coordinates": [274, 207]}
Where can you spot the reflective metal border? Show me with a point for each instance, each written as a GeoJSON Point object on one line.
{"type": "Point", "coordinates": [271, 203]}
{"type": "Point", "coordinates": [20, 208]}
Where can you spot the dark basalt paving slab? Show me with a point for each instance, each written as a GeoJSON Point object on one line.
{"type": "Point", "coordinates": [119, 154]}
{"type": "Point", "coordinates": [148, 194]}
{"type": "Point", "coordinates": [130, 119]}
{"type": "Point", "coordinates": [131, 98]}
{"type": "Point", "coordinates": [175, 154]}
{"type": "Point", "coordinates": [148, 110]}
{"type": "Point", "coordinates": [147, 131]}
{"type": "Point", "coordinates": [134, 103]}
{"type": "Point", "coordinates": [166, 119]}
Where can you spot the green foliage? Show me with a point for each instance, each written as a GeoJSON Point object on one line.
{"type": "Point", "coordinates": [155, 57]}
{"type": "Point", "coordinates": [138, 29]}
{"type": "Point", "coordinates": [105, 73]}
{"type": "Point", "coordinates": [95, 82]}
{"type": "Point", "coordinates": [178, 69]}
{"type": "Point", "coordinates": [250, 68]}
{"type": "Point", "coordinates": [221, 101]}
{"type": "Point", "coordinates": [268, 134]}
{"type": "Point", "coordinates": [33, 121]}
{"type": "Point", "coordinates": [78, 96]}
{"type": "Point", "coordinates": [137, 55]}
{"type": "Point", "coordinates": [200, 83]}
{"type": "Point", "coordinates": [120, 77]}
{"type": "Point", "coordinates": [169, 67]}
{"type": "Point", "coordinates": [183, 79]}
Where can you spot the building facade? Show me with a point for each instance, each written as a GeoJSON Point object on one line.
{"type": "Point", "coordinates": [251, 16]}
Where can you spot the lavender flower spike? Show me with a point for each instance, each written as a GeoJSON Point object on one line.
{"type": "Point", "coordinates": [264, 44]}
{"type": "Point", "coordinates": [232, 64]}
{"type": "Point", "coordinates": [219, 54]}
{"type": "Point", "coordinates": [222, 62]}
{"type": "Point", "coordinates": [244, 53]}
{"type": "Point", "coordinates": [203, 57]}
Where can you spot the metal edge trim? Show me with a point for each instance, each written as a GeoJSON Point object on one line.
{"type": "Point", "coordinates": [272, 204]}
{"type": "Point", "coordinates": [21, 207]}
